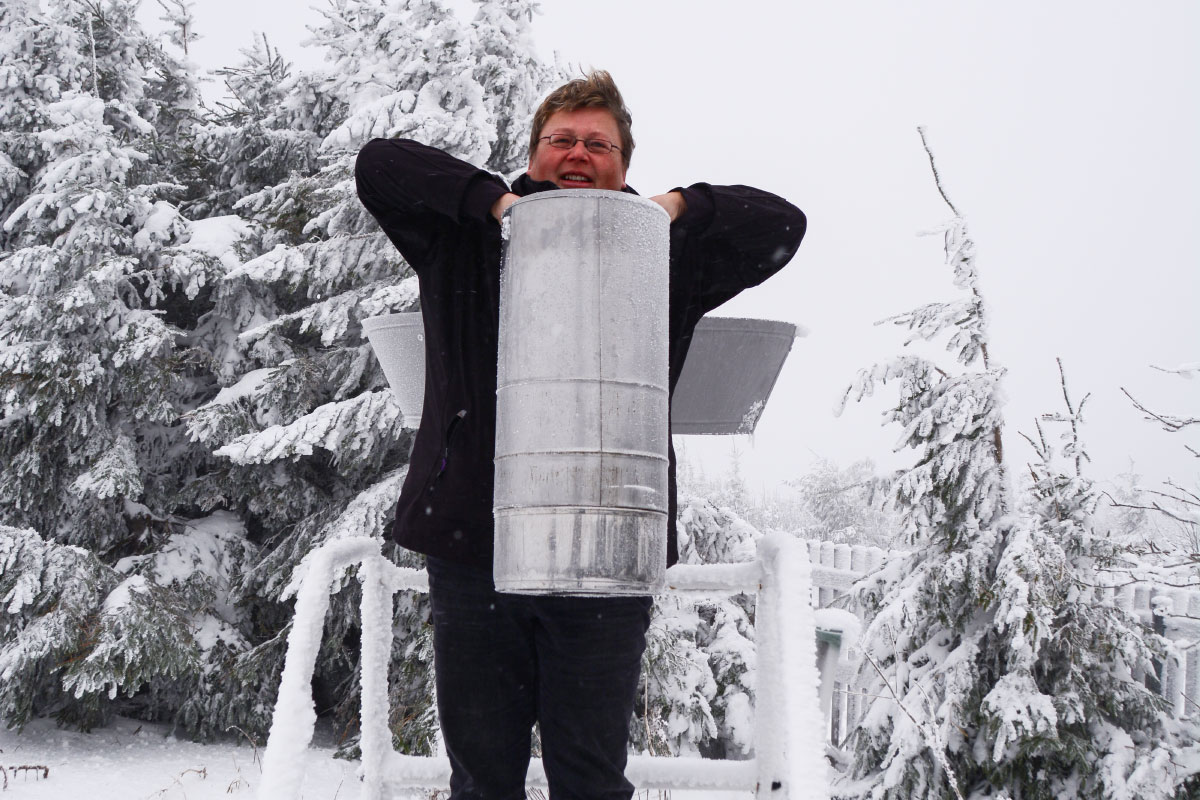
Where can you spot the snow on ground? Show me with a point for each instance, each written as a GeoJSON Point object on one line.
{"type": "Point", "coordinates": [131, 760]}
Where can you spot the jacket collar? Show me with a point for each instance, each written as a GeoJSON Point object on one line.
{"type": "Point", "coordinates": [525, 186]}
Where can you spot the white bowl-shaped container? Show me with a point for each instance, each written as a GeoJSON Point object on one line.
{"type": "Point", "coordinates": [399, 343]}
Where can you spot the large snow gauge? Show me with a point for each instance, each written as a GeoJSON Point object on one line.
{"type": "Point", "coordinates": [582, 396]}
{"type": "Point", "coordinates": [581, 445]}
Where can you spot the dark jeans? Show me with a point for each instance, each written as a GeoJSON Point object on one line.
{"type": "Point", "coordinates": [504, 661]}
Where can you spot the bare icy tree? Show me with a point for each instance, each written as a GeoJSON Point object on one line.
{"type": "Point", "coordinates": [1172, 501]}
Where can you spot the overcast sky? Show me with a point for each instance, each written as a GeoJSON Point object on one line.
{"type": "Point", "coordinates": [1064, 131]}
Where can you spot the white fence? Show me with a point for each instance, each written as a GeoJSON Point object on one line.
{"type": "Point", "coordinates": [789, 726]}
{"type": "Point", "coordinates": [835, 568]}
{"type": "Point", "coordinates": [1171, 611]}
{"type": "Point", "coordinates": [789, 759]}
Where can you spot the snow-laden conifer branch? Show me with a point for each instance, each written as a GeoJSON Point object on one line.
{"type": "Point", "coordinates": [929, 321]}
{"type": "Point", "coordinates": [115, 474]}
{"type": "Point", "coordinates": [929, 734]}
{"type": "Point", "coordinates": [333, 317]}
{"type": "Point", "coordinates": [136, 617]}
{"type": "Point", "coordinates": [281, 571]}
{"type": "Point", "coordinates": [313, 265]}
{"type": "Point", "coordinates": [179, 14]}
{"type": "Point", "coordinates": [350, 426]}
{"type": "Point", "coordinates": [49, 594]}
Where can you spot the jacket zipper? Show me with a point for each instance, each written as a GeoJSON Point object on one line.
{"type": "Point", "coordinates": [431, 484]}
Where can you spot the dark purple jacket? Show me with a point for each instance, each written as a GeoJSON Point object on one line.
{"type": "Point", "coordinates": [436, 210]}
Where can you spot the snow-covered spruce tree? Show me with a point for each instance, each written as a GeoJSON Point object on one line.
{"type": "Point", "coordinates": [711, 535]}
{"type": "Point", "coordinates": [258, 137]}
{"type": "Point", "coordinates": [312, 438]}
{"type": "Point", "coordinates": [697, 685]}
{"type": "Point", "coordinates": [925, 611]}
{"type": "Point", "coordinates": [513, 78]}
{"type": "Point", "coordinates": [32, 72]}
{"type": "Point", "coordinates": [733, 492]}
{"type": "Point", "coordinates": [1105, 734]}
{"type": "Point", "coordinates": [983, 685]}
{"type": "Point", "coordinates": [112, 596]}
{"type": "Point", "coordinates": [673, 714]}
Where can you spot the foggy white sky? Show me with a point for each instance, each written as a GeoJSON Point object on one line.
{"type": "Point", "coordinates": [1064, 131]}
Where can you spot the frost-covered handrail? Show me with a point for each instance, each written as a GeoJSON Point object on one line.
{"type": "Point", "coordinates": [295, 712]}
{"type": "Point", "coordinates": [789, 747]}
{"type": "Point", "coordinates": [715, 578]}
{"type": "Point", "coordinates": [828, 571]}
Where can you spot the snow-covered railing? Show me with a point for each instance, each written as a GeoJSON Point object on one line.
{"type": "Point", "coordinates": [835, 568]}
{"type": "Point", "coordinates": [827, 573]}
{"type": "Point", "coordinates": [789, 759]}
{"type": "Point", "coordinates": [1173, 612]}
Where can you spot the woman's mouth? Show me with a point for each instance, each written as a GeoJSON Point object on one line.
{"type": "Point", "coordinates": [574, 179]}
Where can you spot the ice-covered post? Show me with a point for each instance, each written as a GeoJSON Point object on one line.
{"type": "Point", "coordinates": [789, 743]}
{"type": "Point", "coordinates": [376, 740]}
{"type": "Point", "coordinates": [295, 714]}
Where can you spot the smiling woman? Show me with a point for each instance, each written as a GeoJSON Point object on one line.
{"type": "Point", "coordinates": [577, 167]}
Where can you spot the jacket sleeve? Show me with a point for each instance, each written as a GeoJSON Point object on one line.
{"type": "Point", "coordinates": [420, 195]}
{"type": "Point", "coordinates": [741, 236]}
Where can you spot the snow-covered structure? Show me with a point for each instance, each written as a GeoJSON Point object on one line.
{"type": "Point", "coordinates": [788, 762]}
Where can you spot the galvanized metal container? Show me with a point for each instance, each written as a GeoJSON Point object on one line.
{"type": "Point", "coordinates": [582, 396]}
{"type": "Point", "coordinates": [399, 343]}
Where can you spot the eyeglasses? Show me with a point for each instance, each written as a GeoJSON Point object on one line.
{"type": "Point", "coordinates": [565, 141]}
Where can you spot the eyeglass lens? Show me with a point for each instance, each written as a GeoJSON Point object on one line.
{"type": "Point", "coordinates": [594, 146]}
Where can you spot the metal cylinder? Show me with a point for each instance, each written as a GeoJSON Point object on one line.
{"type": "Point", "coordinates": [399, 343]}
{"type": "Point", "coordinates": [582, 396]}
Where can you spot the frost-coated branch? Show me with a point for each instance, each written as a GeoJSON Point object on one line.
{"type": "Point", "coordinates": [937, 179]}
{"type": "Point", "coordinates": [932, 739]}
{"type": "Point", "coordinates": [92, 40]}
{"type": "Point", "coordinates": [1169, 423]}
{"type": "Point", "coordinates": [1189, 370]}
{"type": "Point", "coordinates": [179, 14]}
{"type": "Point", "coordinates": [1074, 417]}
{"type": "Point", "coordinates": [1158, 508]}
